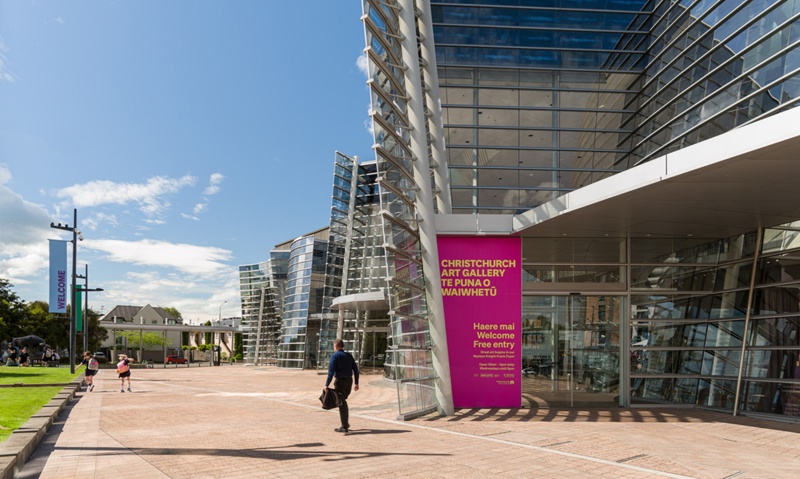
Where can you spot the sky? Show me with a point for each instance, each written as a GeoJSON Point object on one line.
{"type": "Point", "coordinates": [192, 136]}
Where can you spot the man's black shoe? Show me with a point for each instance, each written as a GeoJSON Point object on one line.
{"type": "Point", "coordinates": [341, 429]}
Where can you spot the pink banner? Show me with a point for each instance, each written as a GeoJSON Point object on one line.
{"type": "Point", "coordinates": [482, 294]}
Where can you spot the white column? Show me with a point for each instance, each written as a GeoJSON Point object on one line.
{"type": "Point", "coordinates": [424, 205]}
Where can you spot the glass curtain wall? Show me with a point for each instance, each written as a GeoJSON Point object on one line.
{"type": "Point", "coordinates": [409, 340]}
{"type": "Point", "coordinates": [707, 329]}
{"type": "Point", "coordinates": [357, 258]}
{"type": "Point", "coordinates": [345, 175]}
{"type": "Point", "coordinates": [542, 98]}
{"type": "Point", "coordinates": [304, 290]}
{"type": "Point", "coordinates": [703, 322]}
{"type": "Point", "coordinates": [262, 289]}
{"type": "Point", "coordinates": [252, 282]}
{"type": "Point", "coordinates": [534, 96]}
{"type": "Point", "coordinates": [712, 66]}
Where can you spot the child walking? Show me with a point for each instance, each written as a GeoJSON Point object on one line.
{"type": "Point", "coordinates": [92, 366]}
{"type": "Point", "coordinates": [124, 371]}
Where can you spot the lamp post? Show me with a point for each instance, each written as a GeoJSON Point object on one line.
{"type": "Point", "coordinates": [86, 316]}
{"type": "Point", "coordinates": [75, 235]}
{"type": "Point", "coordinates": [86, 291]}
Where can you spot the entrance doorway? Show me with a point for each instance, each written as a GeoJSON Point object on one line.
{"type": "Point", "coordinates": [571, 350]}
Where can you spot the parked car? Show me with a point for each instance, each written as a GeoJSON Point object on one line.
{"type": "Point", "coordinates": [100, 357]}
{"type": "Point", "coordinates": [175, 359]}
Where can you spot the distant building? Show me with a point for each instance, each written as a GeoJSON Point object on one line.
{"type": "Point", "coordinates": [143, 315]}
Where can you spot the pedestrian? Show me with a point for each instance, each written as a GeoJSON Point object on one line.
{"type": "Point", "coordinates": [92, 366]}
{"type": "Point", "coordinates": [344, 368]}
{"type": "Point", "coordinates": [124, 371]}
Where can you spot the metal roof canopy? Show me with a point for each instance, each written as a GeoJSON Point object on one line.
{"type": "Point", "coordinates": [369, 301]}
{"type": "Point", "coordinates": [731, 184]}
{"type": "Point", "coordinates": [170, 327]}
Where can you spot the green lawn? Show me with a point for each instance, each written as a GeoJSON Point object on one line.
{"type": "Point", "coordinates": [37, 375]}
{"type": "Point", "coordinates": [17, 405]}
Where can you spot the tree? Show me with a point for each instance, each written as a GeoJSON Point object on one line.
{"type": "Point", "coordinates": [149, 340]}
{"type": "Point", "coordinates": [238, 345]}
{"type": "Point", "coordinates": [174, 313]}
{"type": "Point", "coordinates": [12, 312]}
{"type": "Point", "coordinates": [208, 336]}
{"type": "Point", "coordinates": [97, 333]}
{"type": "Point", "coordinates": [53, 328]}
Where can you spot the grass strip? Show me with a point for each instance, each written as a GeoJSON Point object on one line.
{"type": "Point", "coordinates": [37, 375]}
{"type": "Point", "coordinates": [19, 404]}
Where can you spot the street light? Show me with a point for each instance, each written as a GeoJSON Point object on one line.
{"type": "Point", "coordinates": [219, 321]}
{"type": "Point", "coordinates": [86, 290]}
{"type": "Point", "coordinates": [75, 235]}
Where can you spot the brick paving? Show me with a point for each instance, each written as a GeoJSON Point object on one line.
{"type": "Point", "coordinates": [260, 422]}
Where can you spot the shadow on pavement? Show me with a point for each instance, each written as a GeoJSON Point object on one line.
{"type": "Point", "coordinates": [276, 454]}
{"type": "Point", "coordinates": [621, 415]}
{"type": "Point", "coordinates": [355, 432]}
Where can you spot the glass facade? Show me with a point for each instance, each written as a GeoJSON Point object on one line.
{"type": "Point", "coordinates": [305, 284]}
{"type": "Point", "coordinates": [707, 322]}
{"type": "Point", "coordinates": [262, 289]}
{"type": "Point", "coordinates": [540, 98]}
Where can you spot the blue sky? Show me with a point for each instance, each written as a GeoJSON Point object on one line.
{"type": "Point", "coordinates": [192, 136]}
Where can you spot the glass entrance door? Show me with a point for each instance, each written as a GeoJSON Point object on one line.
{"type": "Point", "coordinates": [570, 350]}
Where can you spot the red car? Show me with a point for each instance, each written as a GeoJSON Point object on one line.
{"type": "Point", "coordinates": [174, 359]}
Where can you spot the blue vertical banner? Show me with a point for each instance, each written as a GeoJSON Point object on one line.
{"type": "Point", "coordinates": [59, 286]}
{"type": "Point", "coordinates": [78, 312]}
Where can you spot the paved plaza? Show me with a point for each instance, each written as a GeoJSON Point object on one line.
{"type": "Point", "coordinates": [254, 422]}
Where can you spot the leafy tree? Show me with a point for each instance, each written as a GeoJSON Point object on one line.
{"type": "Point", "coordinates": [208, 336]}
{"type": "Point", "coordinates": [12, 312]}
{"type": "Point", "coordinates": [53, 328]}
{"type": "Point", "coordinates": [97, 333]}
{"type": "Point", "coordinates": [174, 313]}
{"type": "Point", "coordinates": [149, 340]}
{"type": "Point", "coordinates": [238, 345]}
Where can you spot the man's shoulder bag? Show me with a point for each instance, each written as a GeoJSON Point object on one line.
{"type": "Point", "coordinates": [330, 398]}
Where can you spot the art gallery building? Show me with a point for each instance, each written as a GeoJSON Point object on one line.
{"type": "Point", "coordinates": [575, 204]}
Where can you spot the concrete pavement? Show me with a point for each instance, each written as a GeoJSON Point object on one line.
{"type": "Point", "coordinates": [259, 422]}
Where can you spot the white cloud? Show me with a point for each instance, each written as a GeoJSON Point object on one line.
{"type": "Point", "coordinates": [5, 175]}
{"type": "Point", "coordinates": [213, 184]}
{"type": "Point", "coordinates": [197, 300]}
{"type": "Point", "coordinates": [363, 64]}
{"type": "Point", "coordinates": [5, 75]}
{"type": "Point", "coordinates": [59, 20]}
{"type": "Point", "coordinates": [23, 235]}
{"type": "Point", "coordinates": [183, 257]}
{"type": "Point", "coordinates": [96, 219]}
{"type": "Point", "coordinates": [149, 196]}
{"type": "Point", "coordinates": [199, 208]}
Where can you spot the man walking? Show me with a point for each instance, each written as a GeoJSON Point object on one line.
{"type": "Point", "coordinates": [344, 368]}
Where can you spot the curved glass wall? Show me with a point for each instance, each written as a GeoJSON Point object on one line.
{"type": "Point", "coordinates": [262, 288]}
{"type": "Point", "coordinates": [304, 289]}
{"type": "Point", "coordinates": [713, 66]}
{"type": "Point", "coordinates": [542, 98]}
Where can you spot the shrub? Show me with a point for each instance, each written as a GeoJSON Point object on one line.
{"type": "Point", "coordinates": [184, 348]}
